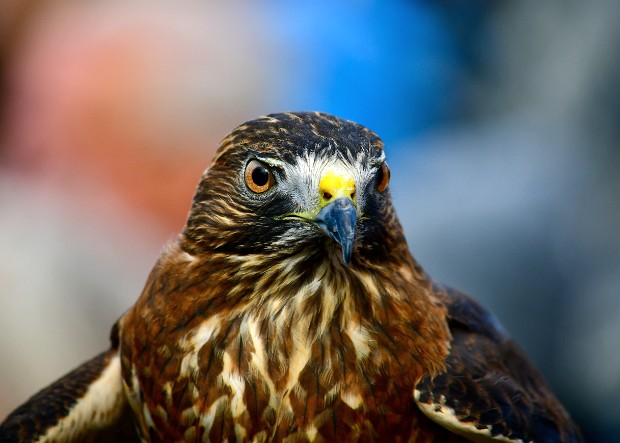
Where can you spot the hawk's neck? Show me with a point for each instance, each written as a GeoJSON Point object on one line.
{"type": "Point", "coordinates": [291, 328]}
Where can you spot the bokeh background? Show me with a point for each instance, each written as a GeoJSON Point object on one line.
{"type": "Point", "coordinates": [501, 121]}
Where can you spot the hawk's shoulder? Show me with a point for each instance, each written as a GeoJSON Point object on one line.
{"type": "Point", "coordinates": [490, 391]}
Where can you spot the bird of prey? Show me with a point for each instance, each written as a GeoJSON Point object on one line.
{"type": "Point", "coordinates": [290, 309]}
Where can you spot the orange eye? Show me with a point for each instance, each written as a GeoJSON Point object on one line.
{"type": "Point", "coordinates": [383, 177]}
{"type": "Point", "coordinates": [258, 177]}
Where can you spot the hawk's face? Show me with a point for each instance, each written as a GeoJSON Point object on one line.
{"type": "Point", "coordinates": [285, 183]}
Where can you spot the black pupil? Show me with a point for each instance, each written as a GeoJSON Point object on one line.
{"type": "Point", "coordinates": [260, 176]}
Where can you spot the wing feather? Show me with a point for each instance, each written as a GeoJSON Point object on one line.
{"type": "Point", "coordinates": [87, 404]}
{"type": "Point", "coordinates": [490, 391]}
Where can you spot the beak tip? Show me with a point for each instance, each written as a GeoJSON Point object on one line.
{"type": "Point", "coordinates": [338, 220]}
{"type": "Point", "coordinates": [346, 255]}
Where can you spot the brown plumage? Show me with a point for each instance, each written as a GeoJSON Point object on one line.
{"type": "Point", "coordinates": [290, 309]}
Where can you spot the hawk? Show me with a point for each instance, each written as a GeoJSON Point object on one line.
{"type": "Point", "coordinates": [290, 309]}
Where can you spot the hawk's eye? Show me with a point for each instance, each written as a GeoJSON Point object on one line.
{"type": "Point", "coordinates": [258, 177]}
{"type": "Point", "coordinates": [383, 177]}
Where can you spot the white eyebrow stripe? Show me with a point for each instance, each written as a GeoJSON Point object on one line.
{"type": "Point", "coordinates": [272, 162]}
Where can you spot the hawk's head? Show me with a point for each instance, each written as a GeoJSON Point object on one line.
{"type": "Point", "coordinates": [291, 292]}
{"type": "Point", "coordinates": [295, 181]}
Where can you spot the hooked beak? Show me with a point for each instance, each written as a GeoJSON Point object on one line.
{"type": "Point", "coordinates": [338, 219]}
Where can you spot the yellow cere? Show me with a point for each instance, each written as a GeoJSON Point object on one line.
{"type": "Point", "coordinates": [334, 185]}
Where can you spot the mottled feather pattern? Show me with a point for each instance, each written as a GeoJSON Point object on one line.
{"type": "Point", "coordinates": [300, 357]}
{"type": "Point", "coordinates": [255, 325]}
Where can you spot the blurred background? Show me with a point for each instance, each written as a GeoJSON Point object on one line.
{"type": "Point", "coordinates": [500, 121]}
